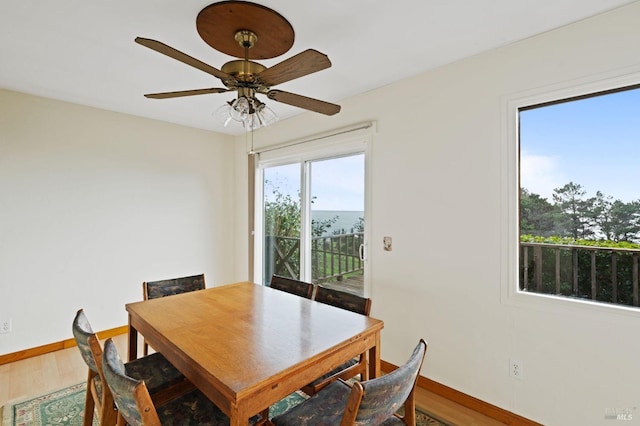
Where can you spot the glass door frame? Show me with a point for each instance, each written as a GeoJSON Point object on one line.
{"type": "Point", "coordinates": [357, 142]}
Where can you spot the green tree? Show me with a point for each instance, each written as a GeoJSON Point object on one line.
{"type": "Point", "coordinates": [282, 222]}
{"type": "Point", "coordinates": [602, 211]}
{"type": "Point", "coordinates": [319, 227]}
{"type": "Point", "coordinates": [536, 214]}
{"type": "Point", "coordinates": [358, 226]}
{"type": "Point", "coordinates": [573, 215]}
{"type": "Point", "coordinates": [281, 232]}
{"type": "Point", "coordinates": [625, 221]}
{"type": "Point", "coordinates": [281, 213]}
{"type": "Point", "coordinates": [576, 213]}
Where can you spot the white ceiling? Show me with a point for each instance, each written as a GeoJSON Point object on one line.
{"type": "Point", "coordinates": [82, 51]}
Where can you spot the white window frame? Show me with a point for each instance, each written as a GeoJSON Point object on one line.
{"type": "Point", "coordinates": [339, 145]}
{"type": "Point", "coordinates": [510, 188]}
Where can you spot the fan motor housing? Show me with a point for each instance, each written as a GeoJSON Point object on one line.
{"type": "Point", "coordinates": [243, 70]}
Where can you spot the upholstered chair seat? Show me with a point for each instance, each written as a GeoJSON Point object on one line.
{"type": "Point", "coordinates": [371, 402]}
{"type": "Point", "coordinates": [165, 381]}
{"type": "Point", "coordinates": [156, 371]}
{"type": "Point", "coordinates": [136, 407]}
{"type": "Point", "coordinates": [324, 408]}
{"type": "Point", "coordinates": [354, 367]}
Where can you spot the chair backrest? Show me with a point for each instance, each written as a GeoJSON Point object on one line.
{"type": "Point", "coordinates": [290, 285]}
{"type": "Point", "coordinates": [98, 397]}
{"type": "Point", "coordinates": [156, 289]}
{"type": "Point", "coordinates": [87, 341]}
{"type": "Point", "coordinates": [344, 300]}
{"type": "Point", "coordinates": [130, 395]}
{"type": "Point", "coordinates": [383, 396]}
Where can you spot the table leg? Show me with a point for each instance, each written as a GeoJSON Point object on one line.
{"type": "Point", "coordinates": [133, 342]}
{"type": "Point", "coordinates": [375, 369]}
{"type": "Point", "coordinates": [265, 416]}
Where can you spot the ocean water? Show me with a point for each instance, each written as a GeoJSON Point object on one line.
{"type": "Point", "coordinates": [346, 219]}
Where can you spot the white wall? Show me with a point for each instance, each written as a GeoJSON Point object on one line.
{"type": "Point", "coordinates": [92, 203]}
{"type": "Point", "coordinates": [438, 190]}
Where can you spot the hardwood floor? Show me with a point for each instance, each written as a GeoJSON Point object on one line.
{"type": "Point", "coordinates": [452, 413]}
{"type": "Point", "coordinates": [45, 373]}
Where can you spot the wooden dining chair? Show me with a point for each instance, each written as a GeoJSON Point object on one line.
{"type": "Point", "coordinates": [170, 287]}
{"type": "Point", "coordinates": [136, 407]}
{"type": "Point", "coordinates": [353, 367]}
{"type": "Point", "coordinates": [163, 379]}
{"type": "Point", "coordinates": [371, 402]}
{"type": "Point", "coordinates": [290, 285]}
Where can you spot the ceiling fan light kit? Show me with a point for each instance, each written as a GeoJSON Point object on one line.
{"type": "Point", "coordinates": [249, 31]}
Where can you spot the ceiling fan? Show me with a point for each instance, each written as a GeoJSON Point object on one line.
{"type": "Point", "coordinates": [249, 31]}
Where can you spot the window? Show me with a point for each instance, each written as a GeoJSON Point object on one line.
{"type": "Point", "coordinates": [579, 198]}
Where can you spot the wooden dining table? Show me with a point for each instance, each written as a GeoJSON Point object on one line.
{"type": "Point", "coordinates": [247, 346]}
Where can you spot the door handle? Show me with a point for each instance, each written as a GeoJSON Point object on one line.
{"type": "Point", "coordinates": [361, 252]}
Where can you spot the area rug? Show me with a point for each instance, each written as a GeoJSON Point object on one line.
{"type": "Point", "coordinates": [62, 407]}
{"type": "Point", "coordinates": [66, 407]}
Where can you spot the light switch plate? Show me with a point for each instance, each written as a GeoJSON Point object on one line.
{"type": "Point", "coordinates": [386, 242]}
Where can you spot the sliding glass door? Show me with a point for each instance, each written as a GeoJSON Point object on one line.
{"type": "Point", "coordinates": [282, 221]}
{"type": "Point", "coordinates": [312, 216]}
{"type": "Point", "coordinates": [337, 222]}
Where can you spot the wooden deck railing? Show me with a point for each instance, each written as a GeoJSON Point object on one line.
{"type": "Point", "coordinates": [603, 274]}
{"type": "Point", "coordinates": [335, 256]}
{"type": "Point", "coordinates": [332, 256]}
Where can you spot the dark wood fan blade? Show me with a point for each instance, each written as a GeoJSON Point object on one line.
{"type": "Point", "coordinates": [302, 64]}
{"type": "Point", "coordinates": [166, 95]}
{"type": "Point", "coordinates": [182, 57]}
{"type": "Point", "coordinates": [303, 102]}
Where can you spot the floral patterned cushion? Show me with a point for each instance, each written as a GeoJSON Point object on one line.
{"type": "Point", "coordinates": [194, 409]}
{"type": "Point", "coordinates": [82, 331]}
{"type": "Point", "coordinates": [156, 289]}
{"type": "Point", "coordinates": [382, 398]}
{"type": "Point", "coordinates": [338, 369]}
{"type": "Point", "coordinates": [191, 409]}
{"type": "Point", "coordinates": [97, 382]}
{"type": "Point", "coordinates": [393, 421]}
{"type": "Point", "coordinates": [291, 285]}
{"type": "Point", "coordinates": [324, 408]}
{"type": "Point", "coordinates": [385, 395]}
{"type": "Point", "coordinates": [155, 370]}
{"type": "Point", "coordinates": [122, 386]}
{"type": "Point", "coordinates": [344, 300]}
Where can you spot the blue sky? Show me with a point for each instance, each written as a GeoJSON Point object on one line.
{"type": "Point", "coordinates": [336, 184]}
{"type": "Point", "coordinates": [594, 142]}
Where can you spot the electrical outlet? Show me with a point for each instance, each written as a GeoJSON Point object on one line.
{"type": "Point", "coordinates": [515, 368]}
{"type": "Point", "coordinates": [5, 326]}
